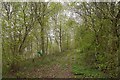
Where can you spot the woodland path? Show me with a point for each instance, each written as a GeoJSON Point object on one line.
{"type": "Point", "coordinates": [57, 65]}
{"type": "Point", "coordinates": [50, 66]}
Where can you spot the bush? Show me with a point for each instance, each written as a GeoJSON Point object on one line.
{"type": "Point", "coordinates": [11, 63]}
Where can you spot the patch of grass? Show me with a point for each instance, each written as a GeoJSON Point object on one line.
{"type": "Point", "coordinates": [83, 71]}
{"type": "Point", "coordinates": [37, 62]}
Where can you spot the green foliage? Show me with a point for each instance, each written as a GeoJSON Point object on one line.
{"type": "Point", "coordinates": [11, 63]}
{"type": "Point", "coordinates": [86, 72]}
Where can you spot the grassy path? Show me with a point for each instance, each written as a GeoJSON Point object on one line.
{"type": "Point", "coordinates": [51, 66]}
{"type": "Point", "coordinates": [59, 65]}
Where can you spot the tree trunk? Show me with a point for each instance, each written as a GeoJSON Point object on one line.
{"type": "Point", "coordinates": [60, 36]}
{"type": "Point", "coordinates": [42, 39]}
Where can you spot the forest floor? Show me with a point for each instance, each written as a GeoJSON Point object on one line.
{"type": "Point", "coordinates": [60, 65]}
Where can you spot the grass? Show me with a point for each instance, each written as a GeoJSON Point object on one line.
{"type": "Point", "coordinates": [83, 71]}
{"type": "Point", "coordinates": [79, 69]}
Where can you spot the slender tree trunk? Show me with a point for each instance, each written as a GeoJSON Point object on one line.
{"type": "Point", "coordinates": [42, 39]}
{"type": "Point", "coordinates": [47, 46]}
{"type": "Point", "coordinates": [67, 42]}
{"type": "Point", "coordinates": [60, 36]}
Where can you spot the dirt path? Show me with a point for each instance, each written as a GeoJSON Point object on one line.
{"type": "Point", "coordinates": [54, 71]}
{"type": "Point", "coordinates": [60, 69]}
